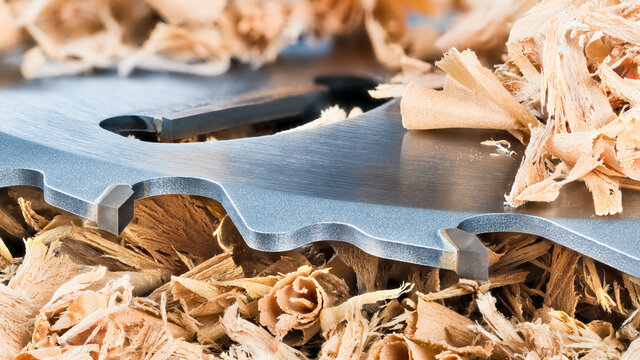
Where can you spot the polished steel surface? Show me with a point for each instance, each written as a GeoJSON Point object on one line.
{"type": "Point", "coordinates": [365, 180]}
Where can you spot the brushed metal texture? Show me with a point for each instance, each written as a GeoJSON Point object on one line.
{"type": "Point", "coordinates": [365, 180]}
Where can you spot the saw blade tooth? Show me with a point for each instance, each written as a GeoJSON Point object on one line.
{"type": "Point", "coordinates": [115, 208]}
{"type": "Point", "coordinates": [473, 257]}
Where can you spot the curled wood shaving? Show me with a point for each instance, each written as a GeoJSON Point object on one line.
{"type": "Point", "coordinates": [198, 51]}
{"type": "Point", "coordinates": [424, 108]}
{"type": "Point", "coordinates": [466, 69]}
{"type": "Point", "coordinates": [399, 347]}
{"type": "Point", "coordinates": [330, 115]}
{"type": "Point", "coordinates": [296, 301]}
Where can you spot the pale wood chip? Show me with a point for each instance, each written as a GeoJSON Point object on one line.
{"type": "Point", "coordinates": [42, 272]}
{"type": "Point", "coordinates": [336, 16]}
{"type": "Point", "coordinates": [256, 340]}
{"type": "Point", "coordinates": [348, 342]}
{"type": "Point", "coordinates": [466, 69]}
{"type": "Point", "coordinates": [331, 317]}
{"type": "Point", "coordinates": [183, 12]}
{"type": "Point", "coordinates": [16, 320]}
{"type": "Point", "coordinates": [438, 324]}
{"type": "Point", "coordinates": [32, 219]}
{"type": "Point", "coordinates": [423, 108]}
{"type": "Point", "coordinates": [633, 351]}
{"type": "Point", "coordinates": [505, 331]}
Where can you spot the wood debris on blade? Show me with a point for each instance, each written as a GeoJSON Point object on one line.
{"type": "Point", "coordinates": [568, 88]}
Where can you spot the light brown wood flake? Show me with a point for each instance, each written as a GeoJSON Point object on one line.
{"type": "Point", "coordinates": [561, 291]}
{"type": "Point", "coordinates": [256, 340]}
{"type": "Point", "coordinates": [163, 225]}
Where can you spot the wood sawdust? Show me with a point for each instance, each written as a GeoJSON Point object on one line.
{"type": "Point", "coordinates": [568, 88]}
{"type": "Point", "coordinates": [203, 37]}
{"type": "Point", "coordinates": [79, 293]}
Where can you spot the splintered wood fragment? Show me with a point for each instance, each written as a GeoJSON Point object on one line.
{"type": "Point", "coordinates": [348, 340]}
{"type": "Point", "coordinates": [503, 331]}
{"type": "Point", "coordinates": [166, 224]}
{"type": "Point", "coordinates": [32, 219]}
{"type": "Point", "coordinates": [220, 267]}
{"type": "Point", "coordinates": [561, 291]}
{"type": "Point", "coordinates": [626, 89]}
{"type": "Point", "coordinates": [11, 226]}
{"type": "Point", "coordinates": [466, 69]}
{"type": "Point", "coordinates": [256, 340]}
{"type": "Point", "coordinates": [464, 287]}
{"type": "Point", "coordinates": [16, 320]}
{"type": "Point", "coordinates": [330, 317]}
{"type": "Point", "coordinates": [365, 265]}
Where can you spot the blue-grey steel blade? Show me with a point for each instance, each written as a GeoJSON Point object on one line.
{"type": "Point", "coordinates": [365, 180]}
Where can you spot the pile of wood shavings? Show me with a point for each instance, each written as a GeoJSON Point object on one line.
{"type": "Point", "coordinates": [202, 37]}
{"type": "Point", "coordinates": [180, 283]}
{"type": "Point", "coordinates": [569, 88]}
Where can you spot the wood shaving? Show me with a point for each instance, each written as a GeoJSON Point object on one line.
{"type": "Point", "coordinates": [82, 294]}
{"type": "Point", "coordinates": [296, 302]}
{"type": "Point", "coordinates": [567, 88]}
{"type": "Point", "coordinates": [200, 37]}
{"type": "Point", "coordinates": [502, 147]}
